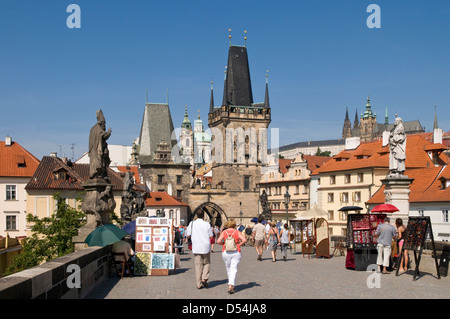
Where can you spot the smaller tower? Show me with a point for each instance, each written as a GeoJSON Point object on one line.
{"type": "Point", "coordinates": [187, 139]}
{"type": "Point", "coordinates": [347, 130]}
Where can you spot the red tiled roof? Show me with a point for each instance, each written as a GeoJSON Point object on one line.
{"type": "Point", "coordinates": [131, 168]}
{"type": "Point", "coordinates": [284, 165]}
{"type": "Point", "coordinates": [426, 186]}
{"type": "Point", "coordinates": [314, 161]}
{"type": "Point", "coordinates": [373, 154]}
{"type": "Point", "coordinates": [13, 155]}
{"type": "Point", "coordinates": [77, 174]}
{"type": "Point", "coordinates": [162, 199]}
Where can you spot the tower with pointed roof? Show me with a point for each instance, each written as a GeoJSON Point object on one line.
{"type": "Point", "coordinates": [239, 135]}
{"type": "Point", "coordinates": [368, 122]}
{"type": "Point", "coordinates": [161, 165]}
{"type": "Point", "coordinates": [187, 139]}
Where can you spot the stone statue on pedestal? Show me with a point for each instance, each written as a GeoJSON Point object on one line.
{"type": "Point", "coordinates": [397, 147]}
{"type": "Point", "coordinates": [99, 201]}
{"type": "Point", "coordinates": [98, 149]}
{"type": "Point", "coordinates": [266, 211]}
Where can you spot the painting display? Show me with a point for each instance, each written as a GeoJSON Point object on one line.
{"type": "Point", "coordinates": [154, 245]}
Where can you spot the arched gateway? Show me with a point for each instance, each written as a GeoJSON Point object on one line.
{"type": "Point", "coordinates": [214, 214]}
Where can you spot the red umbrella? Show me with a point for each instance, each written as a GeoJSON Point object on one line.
{"type": "Point", "coordinates": [384, 208]}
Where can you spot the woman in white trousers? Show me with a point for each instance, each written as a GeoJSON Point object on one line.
{"type": "Point", "coordinates": [231, 258]}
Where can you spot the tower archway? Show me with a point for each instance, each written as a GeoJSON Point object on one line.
{"type": "Point", "coordinates": [214, 214]}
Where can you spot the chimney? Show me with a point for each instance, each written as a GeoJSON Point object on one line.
{"type": "Point", "coordinates": [437, 136]}
{"type": "Point", "coordinates": [8, 140]}
{"type": "Point", "coordinates": [352, 143]}
{"type": "Point", "coordinates": [53, 154]}
{"type": "Point", "coordinates": [386, 135]}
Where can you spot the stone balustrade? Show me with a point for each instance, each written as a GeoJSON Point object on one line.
{"type": "Point", "coordinates": [69, 277]}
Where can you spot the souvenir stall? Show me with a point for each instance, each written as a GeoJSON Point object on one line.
{"type": "Point", "coordinates": [154, 246]}
{"type": "Point", "coordinates": [361, 243]}
{"type": "Point", "coordinates": [303, 229]}
{"type": "Point", "coordinates": [322, 238]}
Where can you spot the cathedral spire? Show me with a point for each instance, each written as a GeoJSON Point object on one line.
{"type": "Point", "coordinates": [356, 121]}
{"type": "Point", "coordinates": [266, 97]}
{"type": "Point", "coordinates": [386, 117]}
{"type": "Point", "coordinates": [211, 101]}
{"type": "Point", "coordinates": [435, 126]}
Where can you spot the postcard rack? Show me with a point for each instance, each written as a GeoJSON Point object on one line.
{"type": "Point", "coordinates": [154, 246]}
{"type": "Point", "coordinates": [417, 230]}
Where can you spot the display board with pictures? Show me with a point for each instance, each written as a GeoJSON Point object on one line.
{"type": "Point", "coordinates": [417, 231]}
{"type": "Point", "coordinates": [154, 234]}
{"type": "Point", "coordinates": [153, 246]}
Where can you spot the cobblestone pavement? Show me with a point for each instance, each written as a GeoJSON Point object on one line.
{"type": "Point", "coordinates": [300, 277]}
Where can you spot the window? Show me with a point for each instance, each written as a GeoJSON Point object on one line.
{"type": "Point", "coordinates": [331, 215]}
{"type": "Point", "coordinates": [179, 193]}
{"type": "Point", "coordinates": [445, 215]}
{"type": "Point", "coordinates": [11, 192]}
{"type": "Point", "coordinates": [344, 197]}
{"type": "Point", "coordinates": [11, 222]}
{"type": "Point", "coordinates": [330, 197]}
{"type": "Point", "coordinates": [347, 178]}
{"type": "Point", "coordinates": [160, 179]}
{"type": "Point", "coordinates": [246, 182]}
{"type": "Point", "coordinates": [332, 179]}
{"type": "Point", "coordinates": [420, 211]}
{"type": "Point", "coordinates": [297, 189]}
{"type": "Point", "coordinates": [179, 179]}
{"type": "Point", "coordinates": [357, 196]}
{"type": "Point", "coordinates": [342, 215]}
{"type": "Point", "coordinates": [360, 177]}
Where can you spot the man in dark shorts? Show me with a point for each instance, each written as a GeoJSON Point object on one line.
{"type": "Point", "coordinates": [259, 231]}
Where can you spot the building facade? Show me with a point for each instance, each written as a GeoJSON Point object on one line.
{"type": "Point", "coordinates": [17, 166]}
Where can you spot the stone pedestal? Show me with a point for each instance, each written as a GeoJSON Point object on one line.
{"type": "Point", "coordinates": [397, 193]}
{"type": "Point", "coordinates": [97, 205]}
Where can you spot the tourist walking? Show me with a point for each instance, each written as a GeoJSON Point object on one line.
{"type": "Point", "coordinates": [385, 232]}
{"type": "Point", "coordinates": [231, 239]}
{"type": "Point", "coordinates": [272, 240]}
{"type": "Point", "coordinates": [284, 239]}
{"type": "Point", "coordinates": [200, 233]}
{"type": "Point", "coordinates": [258, 234]}
{"type": "Point", "coordinates": [402, 253]}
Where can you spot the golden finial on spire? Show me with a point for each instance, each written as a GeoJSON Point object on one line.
{"type": "Point", "coordinates": [267, 75]}
{"type": "Point", "coordinates": [199, 114]}
{"type": "Point", "coordinates": [245, 37]}
{"type": "Point", "coordinates": [229, 36]}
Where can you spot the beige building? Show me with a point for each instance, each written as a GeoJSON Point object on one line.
{"type": "Point", "coordinates": [292, 176]}
{"type": "Point", "coordinates": [353, 176]}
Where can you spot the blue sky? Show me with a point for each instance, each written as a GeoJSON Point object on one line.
{"type": "Point", "coordinates": [321, 57]}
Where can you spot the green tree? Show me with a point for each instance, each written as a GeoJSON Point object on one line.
{"type": "Point", "coordinates": [324, 153]}
{"type": "Point", "coordinates": [51, 237]}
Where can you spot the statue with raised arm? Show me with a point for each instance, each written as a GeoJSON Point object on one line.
{"type": "Point", "coordinates": [397, 147]}
{"type": "Point", "coordinates": [98, 149]}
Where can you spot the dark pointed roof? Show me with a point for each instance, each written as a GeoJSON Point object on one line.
{"type": "Point", "coordinates": [238, 88]}
{"type": "Point", "coordinates": [157, 127]}
{"type": "Point", "coordinates": [211, 102]}
{"type": "Point", "coordinates": [266, 98]}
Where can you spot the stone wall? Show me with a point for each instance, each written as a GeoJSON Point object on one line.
{"type": "Point", "coordinates": [54, 279]}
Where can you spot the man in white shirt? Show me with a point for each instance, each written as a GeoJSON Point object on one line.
{"type": "Point", "coordinates": [201, 232]}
